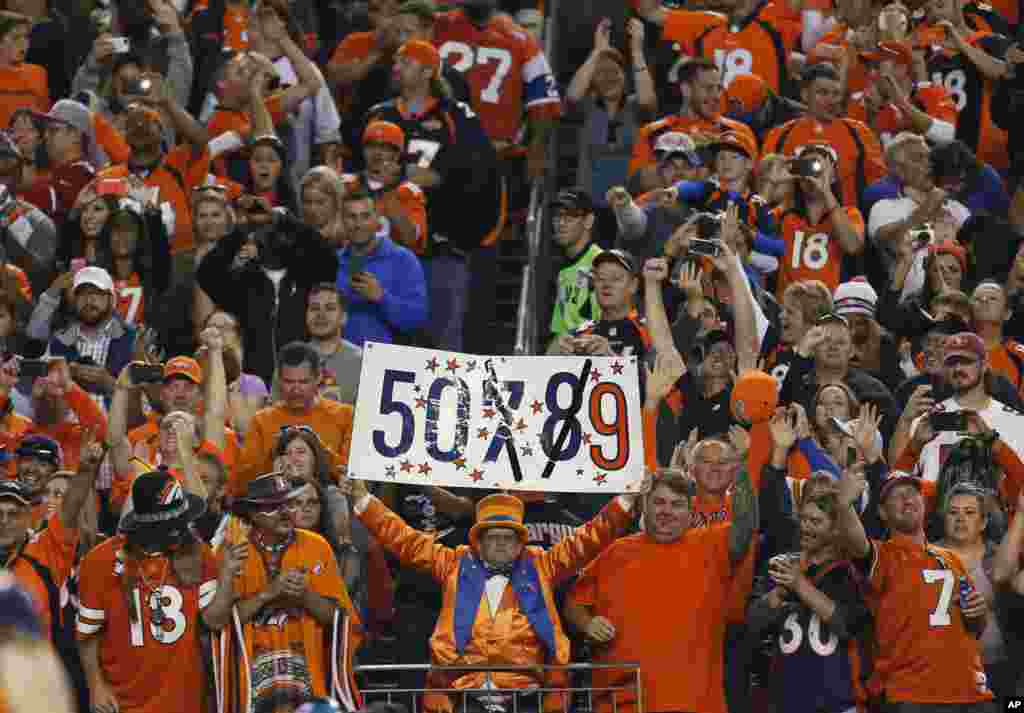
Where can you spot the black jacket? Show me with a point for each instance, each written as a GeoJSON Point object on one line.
{"type": "Point", "coordinates": [268, 319]}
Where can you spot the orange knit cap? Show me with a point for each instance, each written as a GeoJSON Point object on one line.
{"type": "Point", "coordinates": [423, 52]}
{"type": "Point", "coordinates": [384, 132]}
{"type": "Point", "coordinates": [746, 93]}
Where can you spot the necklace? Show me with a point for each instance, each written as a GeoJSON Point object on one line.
{"type": "Point", "coordinates": [274, 549]}
{"type": "Point", "coordinates": [155, 600]}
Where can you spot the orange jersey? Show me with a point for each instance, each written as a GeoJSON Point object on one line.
{"type": "Point", "coordinates": [236, 25]}
{"type": "Point", "coordinates": [152, 662]}
{"type": "Point", "coordinates": [812, 253]}
{"type": "Point", "coordinates": [760, 45]}
{"type": "Point", "coordinates": [129, 299]}
{"type": "Point", "coordinates": [24, 86]}
{"type": "Point", "coordinates": [411, 200]}
{"type": "Point", "coordinates": [889, 120]}
{"type": "Point", "coordinates": [507, 72]}
{"type": "Point", "coordinates": [53, 547]}
{"type": "Point", "coordinates": [181, 170]}
{"type": "Point", "coordinates": [924, 654]}
{"type": "Point", "coordinates": [12, 427]}
{"type": "Point", "coordinates": [1007, 359]}
{"type": "Point", "coordinates": [860, 152]}
{"type": "Point", "coordinates": [643, 147]}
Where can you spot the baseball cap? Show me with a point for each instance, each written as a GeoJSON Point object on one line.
{"type": "Point", "coordinates": [574, 199]}
{"type": "Point", "coordinates": [890, 50]}
{"type": "Point", "coordinates": [184, 366]}
{"type": "Point", "coordinates": [384, 132]}
{"type": "Point", "coordinates": [95, 276]}
{"type": "Point", "coordinates": [897, 477]}
{"type": "Point", "coordinates": [965, 344]}
{"type": "Point", "coordinates": [72, 113]}
{"type": "Point", "coordinates": [41, 447]}
{"type": "Point", "coordinates": [15, 491]}
{"type": "Point", "coordinates": [423, 52]}
{"type": "Point", "coordinates": [620, 257]}
{"type": "Point", "coordinates": [676, 142]}
{"type": "Point", "coordinates": [734, 139]}
{"type": "Point", "coordinates": [754, 396]}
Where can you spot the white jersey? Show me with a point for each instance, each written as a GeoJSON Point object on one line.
{"type": "Point", "coordinates": [1007, 421]}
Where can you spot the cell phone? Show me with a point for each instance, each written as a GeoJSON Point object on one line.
{"type": "Point", "coordinates": [121, 45]}
{"type": "Point", "coordinates": [146, 373]}
{"type": "Point", "coordinates": [948, 421]}
{"type": "Point", "coordinates": [77, 264]}
{"type": "Point", "coordinates": [922, 236]}
{"type": "Point", "coordinates": [137, 87]}
{"type": "Point", "coordinates": [806, 167]}
{"type": "Point", "coordinates": [111, 187]}
{"type": "Point", "coordinates": [710, 248]}
{"type": "Point", "coordinates": [33, 368]}
{"type": "Point", "coordinates": [356, 264]}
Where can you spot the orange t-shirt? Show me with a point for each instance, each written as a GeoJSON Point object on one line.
{"type": "Point", "coordinates": [625, 584]}
{"type": "Point", "coordinates": [180, 171]}
{"type": "Point", "coordinates": [68, 434]}
{"type": "Point", "coordinates": [643, 147]}
{"type": "Point", "coordinates": [812, 253]}
{"type": "Point", "coordinates": [24, 86]}
{"type": "Point", "coordinates": [54, 548]}
{"type": "Point", "coordinates": [151, 668]}
{"type": "Point", "coordinates": [925, 654]}
{"type": "Point", "coordinates": [331, 420]}
{"type": "Point", "coordinates": [1007, 359]}
{"type": "Point", "coordinates": [760, 46]}
{"type": "Point", "coordinates": [856, 144]}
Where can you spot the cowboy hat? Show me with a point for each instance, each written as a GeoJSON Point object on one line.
{"type": "Point", "coordinates": [160, 507]}
{"type": "Point", "coordinates": [270, 489]}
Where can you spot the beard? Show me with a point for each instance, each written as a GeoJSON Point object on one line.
{"type": "Point", "coordinates": [46, 411]}
{"type": "Point", "coordinates": [92, 318]}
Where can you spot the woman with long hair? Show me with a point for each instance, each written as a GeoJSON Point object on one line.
{"type": "Point", "coordinates": [268, 175]}
{"type": "Point", "coordinates": [812, 603]}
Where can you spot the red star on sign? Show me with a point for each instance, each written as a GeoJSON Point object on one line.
{"type": "Point", "coordinates": [617, 367]}
{"type": "Point", "coordinates": [460, 463]}
{"type": "Point", "coordinates": [521, 426]}
{"type": "Point", "coordinates": [489, 413]}
{"type": "Point", "coordinates": [537, 407]}
{"type": "Point", "coordinates": [432, 364]}
{"type": "Point", "coordinates": [601, 478]}
{"type": "Point", "coordinates": [595, 376]}
{"type": "Point", "coordinates": [425, 468]}
{"type": "Point", "coordinates": [482, 433]}
{"type": "Point", "coordinates": [421, 403]}
{"type": "Point", "coordinates": [453, 365]}
{"type": "Point", "coordinates": [406, 466]}
{"type": "Point", "coordinates": [477, 475]}
{"type": "Point", "coordinates": [586, 438]}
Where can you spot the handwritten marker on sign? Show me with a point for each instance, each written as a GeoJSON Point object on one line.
{"type": "Point", "coordinates": [505, 422]}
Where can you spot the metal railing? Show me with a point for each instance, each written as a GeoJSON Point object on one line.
{"type": "Point", "coordinates": [531, 290]}
{"type": "Point", "coordinates": [579, 699]}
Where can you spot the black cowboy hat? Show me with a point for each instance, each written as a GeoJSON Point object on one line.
{"type": "Point", "coordinates": [160, 508]}
{"type": "Point", "coordinates": [266, 490]}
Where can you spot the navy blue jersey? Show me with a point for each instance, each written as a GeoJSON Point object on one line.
{"type": "Point", "coordinates": [815, 671]}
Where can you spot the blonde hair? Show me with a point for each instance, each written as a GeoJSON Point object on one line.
{"type": "Point", "coordinates": [330, 182]}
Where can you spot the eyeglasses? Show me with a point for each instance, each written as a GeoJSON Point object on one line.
{"type": "Point", "coordinates": [302, 428]}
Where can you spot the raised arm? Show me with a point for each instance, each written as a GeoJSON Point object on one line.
{"type": "Point", "coordinates": [310, 79]}
{"type": "Point", "coordinates": [215, 389]}
{"type": "Point", "coordinates": [655, 275]}
{"type": "Point", "coordinates": [90, 455]}
{"type": "Point", "coordinates": [1007, 571]}
{"type": "Point", "coordinates": [745, 515]}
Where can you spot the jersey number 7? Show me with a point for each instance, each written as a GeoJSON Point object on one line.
{"type": "Point", "coordinates": [940, 614]}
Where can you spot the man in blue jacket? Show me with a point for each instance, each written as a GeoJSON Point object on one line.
{"type": "Point", "coordinates": [383, 281]}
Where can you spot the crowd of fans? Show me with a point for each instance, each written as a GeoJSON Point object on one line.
{"type": "Point", "coordinates": [805, 218]}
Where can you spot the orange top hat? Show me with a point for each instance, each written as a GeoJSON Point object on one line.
{"type": "Point", "coordinates": [498, 510]}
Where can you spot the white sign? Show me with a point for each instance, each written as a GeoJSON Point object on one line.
{"type": "Point", "coordinates": [429, 417]}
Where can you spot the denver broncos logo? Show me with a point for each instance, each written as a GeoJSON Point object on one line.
{"type": "Point", "coordinates": [171, 493]}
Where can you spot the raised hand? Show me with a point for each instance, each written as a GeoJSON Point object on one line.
{"type": "Point", "coordinates": [867, 428]}
{"type": "Point", "coordinates": [668, 369]}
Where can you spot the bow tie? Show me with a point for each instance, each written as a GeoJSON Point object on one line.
{"type": "Point", "coordinates": [499, 570]}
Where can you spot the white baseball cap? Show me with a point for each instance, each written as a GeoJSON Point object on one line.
{"type": "Point", "coordinates": [95, 276]}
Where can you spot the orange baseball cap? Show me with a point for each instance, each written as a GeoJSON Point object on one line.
{"type": "Point", "coordinates": [899, 52]}
{"type": "Point", "coordinates": [423, 52]}
{"type": "Point", "coordinates": [384, 132]}
{"type": "Point", "coordinates": [746, 93]}
{"type": "Point", "coordinates": [736, 140]}
{"type": "Point", "coordinates": [184, 366]}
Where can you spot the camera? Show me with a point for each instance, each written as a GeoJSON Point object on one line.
{"type": "Point", "coordinates": [137, 87]}
{"type": "Point", "coordinates": [33, 368]}
{"type": "Point", "coordinates": [709, 226]}
{"type": "Point", "coordinates": [707, 248]}
{"type": "Point", "coordinates": [811, 167]}
{"type": "Point", "coordinates": [944, 421]}
{"type": "Point", "coordinates": [920, 237]}
{"type": "Point", "coordinates": [146, 373]}
{"type": "Point", "coordinates": [121, 45]}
